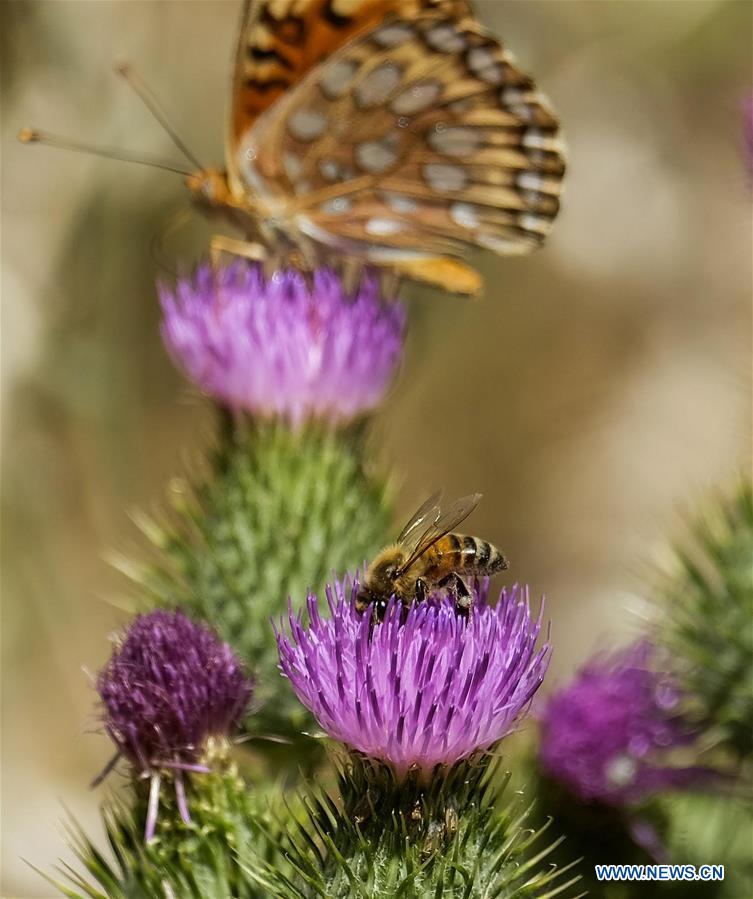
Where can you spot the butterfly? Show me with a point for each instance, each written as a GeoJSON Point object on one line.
{"type": "Point", "coordinates": [398, 133]}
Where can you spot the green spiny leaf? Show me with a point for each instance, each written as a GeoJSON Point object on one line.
{"type": "Point", "coordinates": [705, 607]}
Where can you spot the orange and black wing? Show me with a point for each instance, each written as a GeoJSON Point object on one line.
{"type": "Point", "coordinates": [412, 143]}
{"type": "Point", "coordinates": [280, 41]}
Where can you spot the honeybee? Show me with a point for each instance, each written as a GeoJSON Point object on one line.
{"type": "Point", "coordinates": [429, 556]}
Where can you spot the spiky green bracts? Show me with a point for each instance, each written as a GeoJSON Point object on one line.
{"type": "Point", "coordinates": [704, 617]}
{"type": "Point", "coordinates": [455, 836]}
{"type": "Point", "coordinates": [645, 755]}
{"type": "Point", "coordinates": [705, 610]}
{"type": "Point", "coordinates": [280, 511]}
{"type": "Point", "coordinates": [209, 856]}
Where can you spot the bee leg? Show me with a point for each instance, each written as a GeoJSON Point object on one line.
{"type": "Point", "coordinates": [420, 590]}
{"type": "Point", "coordinates": [463, 599]}
{"type": "Point", "coordinates": [380, 609]}
{"type": "Point", "coordinates": [460, 590]}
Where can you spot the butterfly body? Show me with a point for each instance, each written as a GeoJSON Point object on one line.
{"type": "Point", "coordinates": [395, 132]}
{"type": "Point", "coordinates": [257, 219]}
{"type": "Point", "coordinates": [210, 188]}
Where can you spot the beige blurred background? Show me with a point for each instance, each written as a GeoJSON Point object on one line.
{"type": "Point", "coordinates": [600, 388]}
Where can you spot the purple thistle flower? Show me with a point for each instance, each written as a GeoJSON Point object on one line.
{"type": "Point", "coordinates": [421, 688]}
{"type": "Point", "coordinates": [607, 734]}
{"type": "Point", "coordinates": [278, 347]}
{"type": "Point", "coordinates": [170, 686]}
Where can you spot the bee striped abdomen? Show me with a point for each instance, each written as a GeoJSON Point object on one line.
{"type": "Point", "coordinates": [458, 552]}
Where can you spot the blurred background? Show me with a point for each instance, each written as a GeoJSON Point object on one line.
{"type": "Point", "coordinates": [600, 389]}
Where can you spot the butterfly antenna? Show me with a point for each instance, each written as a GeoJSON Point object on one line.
{"type": "Point", "coordinates": [33, 136]}
{"type": "Point", "coordinates": [147, 97]}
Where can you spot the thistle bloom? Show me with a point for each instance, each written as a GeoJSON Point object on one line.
{"type": "Point", "coordinates": [279, 347]}
{"type": "Point", "coordinates": [419, 689]}
{"type": "Point", "coordinates": [606, 736]}
{"type": "Point", "coordinates": [170, 685]}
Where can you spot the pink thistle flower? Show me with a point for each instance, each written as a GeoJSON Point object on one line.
{"type": "Point", "coordinates": [280, 348]}
{"type": "Point", "coordinates": [421, 688]}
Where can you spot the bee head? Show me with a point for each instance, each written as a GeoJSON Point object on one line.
{"type": "Point", "coordinates": [383, 574]}
{"type": "Point", "coordinates": [379, 583]}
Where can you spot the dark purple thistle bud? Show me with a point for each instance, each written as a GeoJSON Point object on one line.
{"type": "Point", "coordinates": [281, 347]}
{"type": "Point", "coordinates": [422, 688]}
{"type": "Point", "coordinates": [171, 684]}
{"type": "Point", "coordinates": [608, 735]}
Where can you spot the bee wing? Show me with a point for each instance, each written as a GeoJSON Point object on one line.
{"type": "Point", "coordinates": [427, 511]}
{"type": "Point", "coordinates": [447, 521]}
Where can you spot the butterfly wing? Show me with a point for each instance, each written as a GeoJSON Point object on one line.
{"type": "Point", "coordinates": [279, 41]}
{"type": "Point", "coordinates": [414, 141]}
{"type": "Point", "coordinates": [446, 522]}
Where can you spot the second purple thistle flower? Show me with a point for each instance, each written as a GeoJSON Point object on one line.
{"type": "Point", "coordinates": [417, 690]}
{"type": "Point", "coordinates": [280, 347]}
{"type": "Point", "coordinates": [608, 735]}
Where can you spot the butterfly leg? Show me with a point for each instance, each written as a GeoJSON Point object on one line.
{"type": "Point", "coordinates": [220, 244]}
